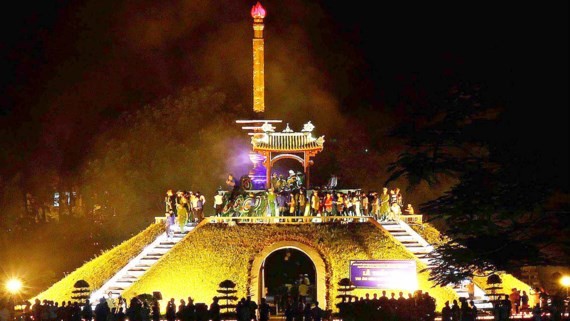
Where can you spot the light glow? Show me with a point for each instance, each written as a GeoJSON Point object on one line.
{"type": "Point", "coordinates": [565, 281]}
{"type": "Point", "coordinates": [14, 286]}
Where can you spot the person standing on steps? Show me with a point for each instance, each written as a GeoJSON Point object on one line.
{"type": "Point", "coordinates": [233, 186]}
{"type": "Point", "coordinates": [271, 202]}
{"type": "Point", "coordinates": [316, 312]}
{"type": "Point", "coordinates": [171, 310]}
{"type": "Point", "coordinates": [470, 289]}
{"type": "Point", "coordinates": [252, 308]}
{"type": "Point", "coordinates": [170, 223]}
{"type": "Point", "coordinates": [87, 312]}
{"type": "Point", "coordinates": [155, 310]}
{"type": "Point", "coordinates": [102, 310]}
{"type": "Point", "coordinates": [182, 213]}
{"type": "Point", "coordinates": [446, 312]}
{"type": "Point", "coordinates": [218, 203]}
{"type": "Point", "coordinates": [199, 208]}
{"type": "Point", "coordinates": [384, 204]}
{"type": "Point", "coordinates": [170, 202]}
{"type": "Point", "coordinates": [315, 203]}
{"type": "Point", "coordinates": [264, 310]}
{"type": "Point", "coordinates": [214, 310]}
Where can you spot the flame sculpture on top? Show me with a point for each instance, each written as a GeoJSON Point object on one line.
{"type": "Point", "coordinates": [258, 13]}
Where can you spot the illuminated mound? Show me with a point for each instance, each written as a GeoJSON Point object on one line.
{"type": "Point", "coordinates": [101, 268]}
{"type": "Point", "coordinates": [213, 253]}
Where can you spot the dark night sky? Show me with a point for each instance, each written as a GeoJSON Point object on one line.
{"type": "Point", "coordinates": [69, 66]}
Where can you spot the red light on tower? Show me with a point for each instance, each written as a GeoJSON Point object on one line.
{"type": "Point", "coordinates": [257, 11]}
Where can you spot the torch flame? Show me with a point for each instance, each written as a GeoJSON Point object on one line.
{"type": "Point", "coordinates": [257, 11]}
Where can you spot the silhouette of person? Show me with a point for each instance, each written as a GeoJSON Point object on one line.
{"type": "Point", "coordinates": [264, 310]}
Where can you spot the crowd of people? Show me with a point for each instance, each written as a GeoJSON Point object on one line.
{"type": "Point", "coordinates": [464, 310]}
{"type": "Point", "coordinates": [118, 310]}
{"type": "Point", "coordinates": [417, 307]}
{"type": "Point", "coordinates": [385, 206]}
{"type": "Point", "coordinates": [291, 199]}
{"type": "Point", "coordinates": [183, 207]}
{"type": "Point", "coordinates": [143, 310]}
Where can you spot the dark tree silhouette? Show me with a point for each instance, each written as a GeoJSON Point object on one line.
{"type": "Point", "coordinates": [511, 186]}
{"type": "Point", "coordinates": [495, 289]}
{"type": "Point", "coordinates": [227, 289]}
{"type": "Point", "coordinates": [345, 286]}
{"type": "Point", "coordinates": [81, 292]}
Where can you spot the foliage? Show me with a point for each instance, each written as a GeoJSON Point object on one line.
{"type": "Point", "coordinates": [123, 172]}
{"type": "Point", "coordinates": [81, 292]}
{"type": "Point", "coordinates": [511, 189]}
{"type": "Point", "coordinates": [345, 286]}
{"type": "Point", "coordinates": [494, 279]}
{"type": "Point", "coordinates": [429, 233]}
{"type": "Point", "coordinates": [215, 252]}
{"type": "Point", "coordinates": [101, 268]}
{"type": "Point", "coordinates": [227, 289]}
{"type": "Point", "coordinates": [146, 297]}
{"type": "Point", "coordinates": [149, 151]}
{"type": "Point", "coordinates": [81, 284]}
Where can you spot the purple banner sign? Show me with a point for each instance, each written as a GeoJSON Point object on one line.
{"type": "Point", "coordinates": [384, 274]}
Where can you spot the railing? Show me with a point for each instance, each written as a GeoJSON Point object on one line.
{"type": "Point", "coordinates": [409, 219]}
{"type": "Point", "coordinates": [286, 219]}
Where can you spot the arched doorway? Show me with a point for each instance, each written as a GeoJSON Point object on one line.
{"type": "Point", "coordinates": [257, 273]}
{"type": "Point", "coordinates": [287, 275]}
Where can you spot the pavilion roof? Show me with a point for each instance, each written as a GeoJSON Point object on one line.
{"type": "Point", "coordinates": [303, 141]}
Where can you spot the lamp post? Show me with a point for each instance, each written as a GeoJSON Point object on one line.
{"type": "Point", "coordinates": [13, 286]}
{"type": "Point", "coordinates": [565, 281]}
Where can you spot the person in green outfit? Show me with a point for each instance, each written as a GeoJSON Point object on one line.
{"type": "Point", "coordinates": [384, 204]}
{"type": "Point", "coordinates": [182, 213]}
{"type": "Point", "coordinates": [271, 202]}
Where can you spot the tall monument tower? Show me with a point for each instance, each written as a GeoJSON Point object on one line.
{"type": "Point", "coordinates": [258, 13]}
{"type": "Point", "coordinates": [270, 146]}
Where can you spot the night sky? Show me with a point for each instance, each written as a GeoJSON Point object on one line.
{"type": "Point", "coordinates": [70, 69]}
{"type": "Point", "coordinates": [69, 66]}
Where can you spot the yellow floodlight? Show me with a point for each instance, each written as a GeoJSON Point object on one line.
{"type": "Point", "coordinates": [14, 285]}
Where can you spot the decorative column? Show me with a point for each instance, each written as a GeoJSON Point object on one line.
{"type": "Point", "coordinates": [306, 164]}
{"type": "Point", "coordinates": [258, 13]}
{"type": "Point", "coordinates": [268, 169]}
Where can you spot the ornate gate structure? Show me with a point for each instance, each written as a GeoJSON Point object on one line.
{"type": "Point", "coordinates": [274, 146]}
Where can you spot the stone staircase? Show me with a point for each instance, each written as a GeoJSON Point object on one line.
{"type": "Point", "coordinates": [416, 244]}
{"type": "Point", "coordinates": [410, 239]}
{"type": "Point", "coordinates": [138, 266]}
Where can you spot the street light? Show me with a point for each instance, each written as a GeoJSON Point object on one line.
{"type": "Point", "coordinates": [565, 281]}
{"type": "Point", "coordinates": [14, 286]}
